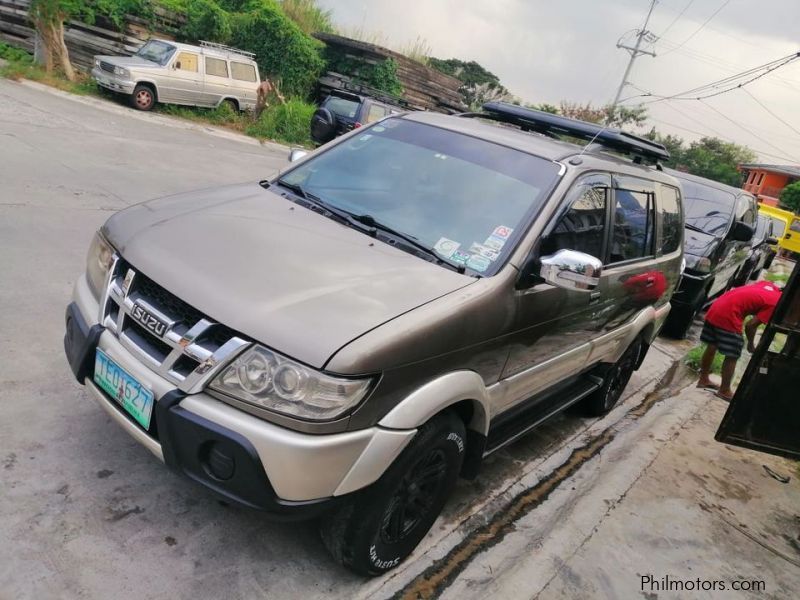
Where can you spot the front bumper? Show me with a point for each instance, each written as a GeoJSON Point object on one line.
{"type": "Point", "coordinates": [112, 82]}
{"type": "Point", "coordinates": [691, 291]}
{"type": "Point", "coordinates": [245, 459]}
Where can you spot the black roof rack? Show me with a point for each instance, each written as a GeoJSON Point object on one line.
{"type": "Point", "coordinates": [552, 125]}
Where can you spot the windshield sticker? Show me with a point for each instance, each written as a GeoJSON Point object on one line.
{"type": "Point", "coordinates": [446, 247]}
{"type": "Point", "coordinates": [502, 232]}
{"type": "Point", "coordinates": [378, 128]}
{"type": "Point", "coordinates": [478, 263]}
{"type": "Point", "coordinates": [365, 137]}
{"type": "Point", "coordinates": [459, 257]}
{"type": "Point", "coordinates": [495, 243]}
{"type": "Point", "coordinates": [484, 251]}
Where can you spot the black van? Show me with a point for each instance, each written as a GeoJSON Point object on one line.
{"type": "Point", "coordinates": [720, 222]}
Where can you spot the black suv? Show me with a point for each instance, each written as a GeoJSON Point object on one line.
{"type": "Point", "coordinates": [343, 111]}
{"type": "Point", "coordinates": [720, 222]}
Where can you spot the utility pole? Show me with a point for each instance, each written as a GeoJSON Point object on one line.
{"type": "Point", "coordinates": [635, 52]}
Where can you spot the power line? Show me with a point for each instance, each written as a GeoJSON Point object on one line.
{"type": "Point", "coordinates": [766, 108]}
{"type": "Point", "coordinates": [676, 19]}
{"type": "Point", "coordinates": [743, 128]}
{"type": "Point", "coordinates": [730, 82]}
{"type": "Point", "coordinates": [699, 29]}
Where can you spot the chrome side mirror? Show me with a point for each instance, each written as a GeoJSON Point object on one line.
{"type": "Point", "coordinates": [296, 154]}
{"type": "Point", "coordinates": [571, 270]}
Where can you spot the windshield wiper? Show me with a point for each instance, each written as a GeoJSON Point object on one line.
{"type": "Point", "coordinates": [370, 221]}
{"type": "Point", "coordinates": [342, 215]}
{"type": "Point", "coordinates": [693, 227]}
{"type": "Point", "coordinates": [367, 224]}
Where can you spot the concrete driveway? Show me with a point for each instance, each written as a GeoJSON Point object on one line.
{"type": "Point", "coordinates": [86, 512]}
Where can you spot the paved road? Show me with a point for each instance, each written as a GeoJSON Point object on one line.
{"type": "Point", "coordinates": [85, 511]}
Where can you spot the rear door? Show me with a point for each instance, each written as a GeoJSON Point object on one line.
{"type": "Point", "coordinates": [217, 82]}
{"type": "Point", "coordinates": [764, 414]}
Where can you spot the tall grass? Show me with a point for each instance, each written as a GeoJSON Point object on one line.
{"type": "Point", "coordinates": [695, 354]}
{"type": "Point", "coordinates": [308, 16]}
{"type": "Point", "coordinates": [288, 122]}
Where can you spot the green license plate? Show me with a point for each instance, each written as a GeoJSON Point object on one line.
{"type": "Point", "coordinates": [136, 399]}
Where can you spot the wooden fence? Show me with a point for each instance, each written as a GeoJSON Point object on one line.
{"type": "Point", "coordinates": [85, 41]}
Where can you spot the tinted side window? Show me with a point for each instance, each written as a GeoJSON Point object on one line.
{"type": "Point", "coordinates": [375, 112]}
{"type": "Point", "coordinates": [583, 226]}
{"type": "Point", "coordinates": [216, 66]}
{"type": "Point", "coordinates": [669, 205]}
{"type": "Point", "coordinates": [243, 72]}
{"type": "Point", "coordinates": [186, 61]}
{"type": "Point", "coordinates": [746, 210]}
{"type": "Point", "coordinates": [632, 233]}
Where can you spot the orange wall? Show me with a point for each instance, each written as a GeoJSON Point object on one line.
{"type": "Point", "coordinates": [767, 188]}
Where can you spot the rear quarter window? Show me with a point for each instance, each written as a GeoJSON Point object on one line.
{"type": "Point", "coordinates": [216, 67]}
{"type": "Point", "coordinates": [243, 71]}
{"type": "Point", "coordinates": [669, 205]}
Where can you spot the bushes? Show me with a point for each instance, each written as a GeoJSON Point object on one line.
{"type": "Point", "coordinates": [288, 122]}
{"type": "Point", "coordinates": [205, 20]}
{"type": "Point", "coordinates": [283, 52]}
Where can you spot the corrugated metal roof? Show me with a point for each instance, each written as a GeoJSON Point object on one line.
{"type": "Point", "coordinates": [790, 170]}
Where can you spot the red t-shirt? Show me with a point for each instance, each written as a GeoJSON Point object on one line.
{"type": "Point", "coordinates": [729, 310]}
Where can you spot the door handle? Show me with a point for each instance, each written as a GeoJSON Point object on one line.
{"type": "Point", "coordinates": [594, 297]}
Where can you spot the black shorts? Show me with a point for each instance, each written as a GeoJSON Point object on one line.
{"type": "Point", "coordinates": [727, 342]}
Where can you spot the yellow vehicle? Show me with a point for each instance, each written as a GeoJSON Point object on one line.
{"type": "Point", "coordinates": [786, 226]}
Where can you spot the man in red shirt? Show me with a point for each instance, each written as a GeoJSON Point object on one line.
{"type": "Point", "coordinates": [723, 329]}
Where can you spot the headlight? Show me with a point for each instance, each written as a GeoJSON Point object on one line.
{"type": "Point", "coordinates": [98, 262]}
{"type": "Point", "coordinates": [121, 72]}
{"type": "Point", "coordinates": [266, 379]}
{"type": "Point", "coordinates": [96, 62]}
{"type": "Point", "coordinates": [701, 264]}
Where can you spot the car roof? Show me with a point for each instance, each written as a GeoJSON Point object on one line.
{"type": "Point", "coordinates": [537, 144]}
{"type": "Point", "coordinates": [207, 50]}
{"type": "Point", "coordinates": [708, 182]}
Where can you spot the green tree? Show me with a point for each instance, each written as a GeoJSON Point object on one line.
{"type": "Point", "coordinates": [205, 20]}
{"type": "Point", "coordinates": [716, 159]}
{"type": "Point", "coordinates": [478, 85]}
{"type": "Point", "coordinates": [48, 18]}
{"type": "Point", "coordinates": [790, 197]}
{"type": "Point", "coordinates": [613, 116]}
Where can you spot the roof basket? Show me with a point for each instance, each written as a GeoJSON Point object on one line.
{"type": "Point", "coordinates": [224, 48]}
{"type": "Point", "coordinates": [552, 125]}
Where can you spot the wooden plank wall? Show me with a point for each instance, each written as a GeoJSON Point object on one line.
{"type": "Point", "coordinates": [422, 86]}
{"type": "Point", "coordinates": [85, 41]}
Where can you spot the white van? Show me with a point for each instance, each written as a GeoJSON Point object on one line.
{"type": "Point", "coordinates": [172, 73]}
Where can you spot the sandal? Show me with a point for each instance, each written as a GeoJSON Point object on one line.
{"type": "Point", "coordinates": [708, 386]}
{"type": "Point", "coordinates": [724, 397]}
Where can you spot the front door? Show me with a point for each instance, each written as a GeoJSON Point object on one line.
{"type": "Point", "coordinates": [554, 326]}
{"type": "Point", "coordinates": [765, 411]}
{"type": "Point", "coordinates": [183, 80]}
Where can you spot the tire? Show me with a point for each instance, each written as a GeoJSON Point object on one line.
{"type": "Point", "coordinates": [323, 126]}
{"type": "Point", "coordinates": [754, 275]}
{"type": "Point", "coordinates": [233, 104]}
{"type": "Point", "coordinates": [615, 378]}
{"type": "Point", "coordinates": [679, 321]}
{"type": "Point", "coordinates": [380, 526]}
{"type": "Point", "coordinates": [143, 97]}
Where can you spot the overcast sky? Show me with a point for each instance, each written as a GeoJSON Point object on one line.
{"type": "Point", "coordinates": [551, 50]}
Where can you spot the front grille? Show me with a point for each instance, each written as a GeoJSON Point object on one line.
{"type": "Point", "coordinates": [187, 348]}
{"type": "Point", "coordinates": [106, 66]}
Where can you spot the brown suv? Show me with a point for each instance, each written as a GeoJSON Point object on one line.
{"type": "Point", "coordinates": [346, 339]}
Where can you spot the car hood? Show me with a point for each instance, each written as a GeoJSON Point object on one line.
{"type": "Point", "coordinates": [279, 273]}
{"type": "Point", "coordinates": [129, 62]}
{"type": "Point", "coordinates": [699, 243]}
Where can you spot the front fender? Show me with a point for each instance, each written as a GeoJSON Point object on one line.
{"type": "Point", "coordinates": [439, 394]}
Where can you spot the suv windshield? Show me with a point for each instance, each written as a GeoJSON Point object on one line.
{"type": "Point", "coordinates": [707, 208]}
{"type": "Point", "coordinates": [465, 198]}
{"type": "Point", "coordinates": [342, 107]}
{"type": "Point", "coordinates": [155, 51]}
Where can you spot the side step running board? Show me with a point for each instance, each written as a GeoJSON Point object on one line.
{"type": "Point", "coordinates": [541, 409]}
